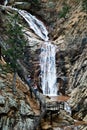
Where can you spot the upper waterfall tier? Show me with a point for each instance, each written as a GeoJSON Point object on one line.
{"type": "Point", "coordinates": [36, 25]}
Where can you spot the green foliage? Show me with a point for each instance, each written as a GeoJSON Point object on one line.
{"type": "Point", "coordinates": [1, 66]}
{"type": "Point", "coordinates": [16, 41]}
{"type": "Point", "coordinates": [6, 68]}
{"type": "Point", "coordinates": [84, 5]}
{"type": "Point", "coordinates": [64, 11]}
{"type": "Point", "coordinates": [35, 2]}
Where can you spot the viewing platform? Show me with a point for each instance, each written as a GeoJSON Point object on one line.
{"type": "Point", "coordinates": [54, 104]}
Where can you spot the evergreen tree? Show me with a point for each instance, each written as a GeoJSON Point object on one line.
{"type": "Point", "coordinates": [16, 43]}
{"type": "Point", "coordinates": [84, 5]}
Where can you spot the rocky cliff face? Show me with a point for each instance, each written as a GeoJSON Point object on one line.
{"type": "Point", "coordinates": [67, 25]}
{"type": "Point", "coordinates": [69, 33]}
{"type": "Point", "coordinates": [15, 109]}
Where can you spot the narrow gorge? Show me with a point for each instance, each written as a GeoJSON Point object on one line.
{"type": "Point", "coordinates": [45, 41]}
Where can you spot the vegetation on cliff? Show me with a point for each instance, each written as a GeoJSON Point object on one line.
{"type": "Point", "coordinates": [67, 25]}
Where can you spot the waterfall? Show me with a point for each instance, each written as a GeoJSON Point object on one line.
{"type": "Point", "coordinates": [5, 2]}
{"type": "Point", "coordinates": [36, 25]}
{"type": "Point", "coordinates": [48, 69]}
{"type": "Point", "coordinates": [47, 56]}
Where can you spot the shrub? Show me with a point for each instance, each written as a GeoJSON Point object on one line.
{"type": "Point", "coordinates": [84, 5]}
{"type": "Point", "coordinates": [16, 43]}
{"type": "Point", "coordinates": [64, 11]}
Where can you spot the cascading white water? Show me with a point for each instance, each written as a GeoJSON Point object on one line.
{"type": "Point", "coordinates": [47, 57]}
{"type": "Point", "coordinates": [36, 25]}
{"type": "Point", "coordinates": [5, 2]}
{"type": "Point", "coordinates": [48, 69]}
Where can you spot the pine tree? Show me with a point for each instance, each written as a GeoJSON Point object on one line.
{"type": "Point", "coordinates": [16, 43]}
